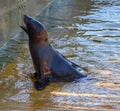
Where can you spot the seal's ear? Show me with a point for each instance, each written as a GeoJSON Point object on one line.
{"type": "Point", "coordinates": [24, 28]}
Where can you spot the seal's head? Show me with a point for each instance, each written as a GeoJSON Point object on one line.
{"type": "Point", "coordinates": [34, 29]}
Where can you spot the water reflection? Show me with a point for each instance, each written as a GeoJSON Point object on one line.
{"type": "Point", "coordinates": [88, 34]}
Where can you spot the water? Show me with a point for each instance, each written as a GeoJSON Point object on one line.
{"type": "Point", "coordinates": [87, 33]}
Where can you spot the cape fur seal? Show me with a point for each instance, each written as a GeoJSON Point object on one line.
{"type": "Point", "coordinates": [49, 64]}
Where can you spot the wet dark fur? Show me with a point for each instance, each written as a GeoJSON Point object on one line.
{"type": "Point", "coordinates": [49, 64]}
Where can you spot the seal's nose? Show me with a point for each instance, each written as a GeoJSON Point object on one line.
{"type": "Point", "coordinates": [26, 18]}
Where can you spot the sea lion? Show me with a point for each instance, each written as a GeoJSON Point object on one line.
{"type": "Point", "coordinates": [49, 64]}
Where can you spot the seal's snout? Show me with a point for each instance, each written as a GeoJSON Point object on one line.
{"type": "Point", "coordinates": [26, 19]}
{"type": "Point", "coordinates": [25, 16]}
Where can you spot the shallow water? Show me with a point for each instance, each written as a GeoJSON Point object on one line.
{"type": "Point", "coordinates": [86, 32]}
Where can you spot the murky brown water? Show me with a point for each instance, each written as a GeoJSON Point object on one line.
{"type": "Point", "coordinates": [88, 33]}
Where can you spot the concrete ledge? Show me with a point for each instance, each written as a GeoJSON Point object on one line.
{"type": "Point", "coordinates": [11, 13]}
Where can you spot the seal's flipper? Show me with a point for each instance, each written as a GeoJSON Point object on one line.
{"type": "Point", "coordinates": [37, 75]}
{"type": "Point", "coordinates": [41, 84]}
{"type": "Point", "coordinates": [43, 81]}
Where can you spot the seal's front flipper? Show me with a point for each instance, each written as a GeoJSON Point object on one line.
{"type": "Point", "coordinates": [41, 84]}
{"type": "Point", "coordinates": [37, 75]}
